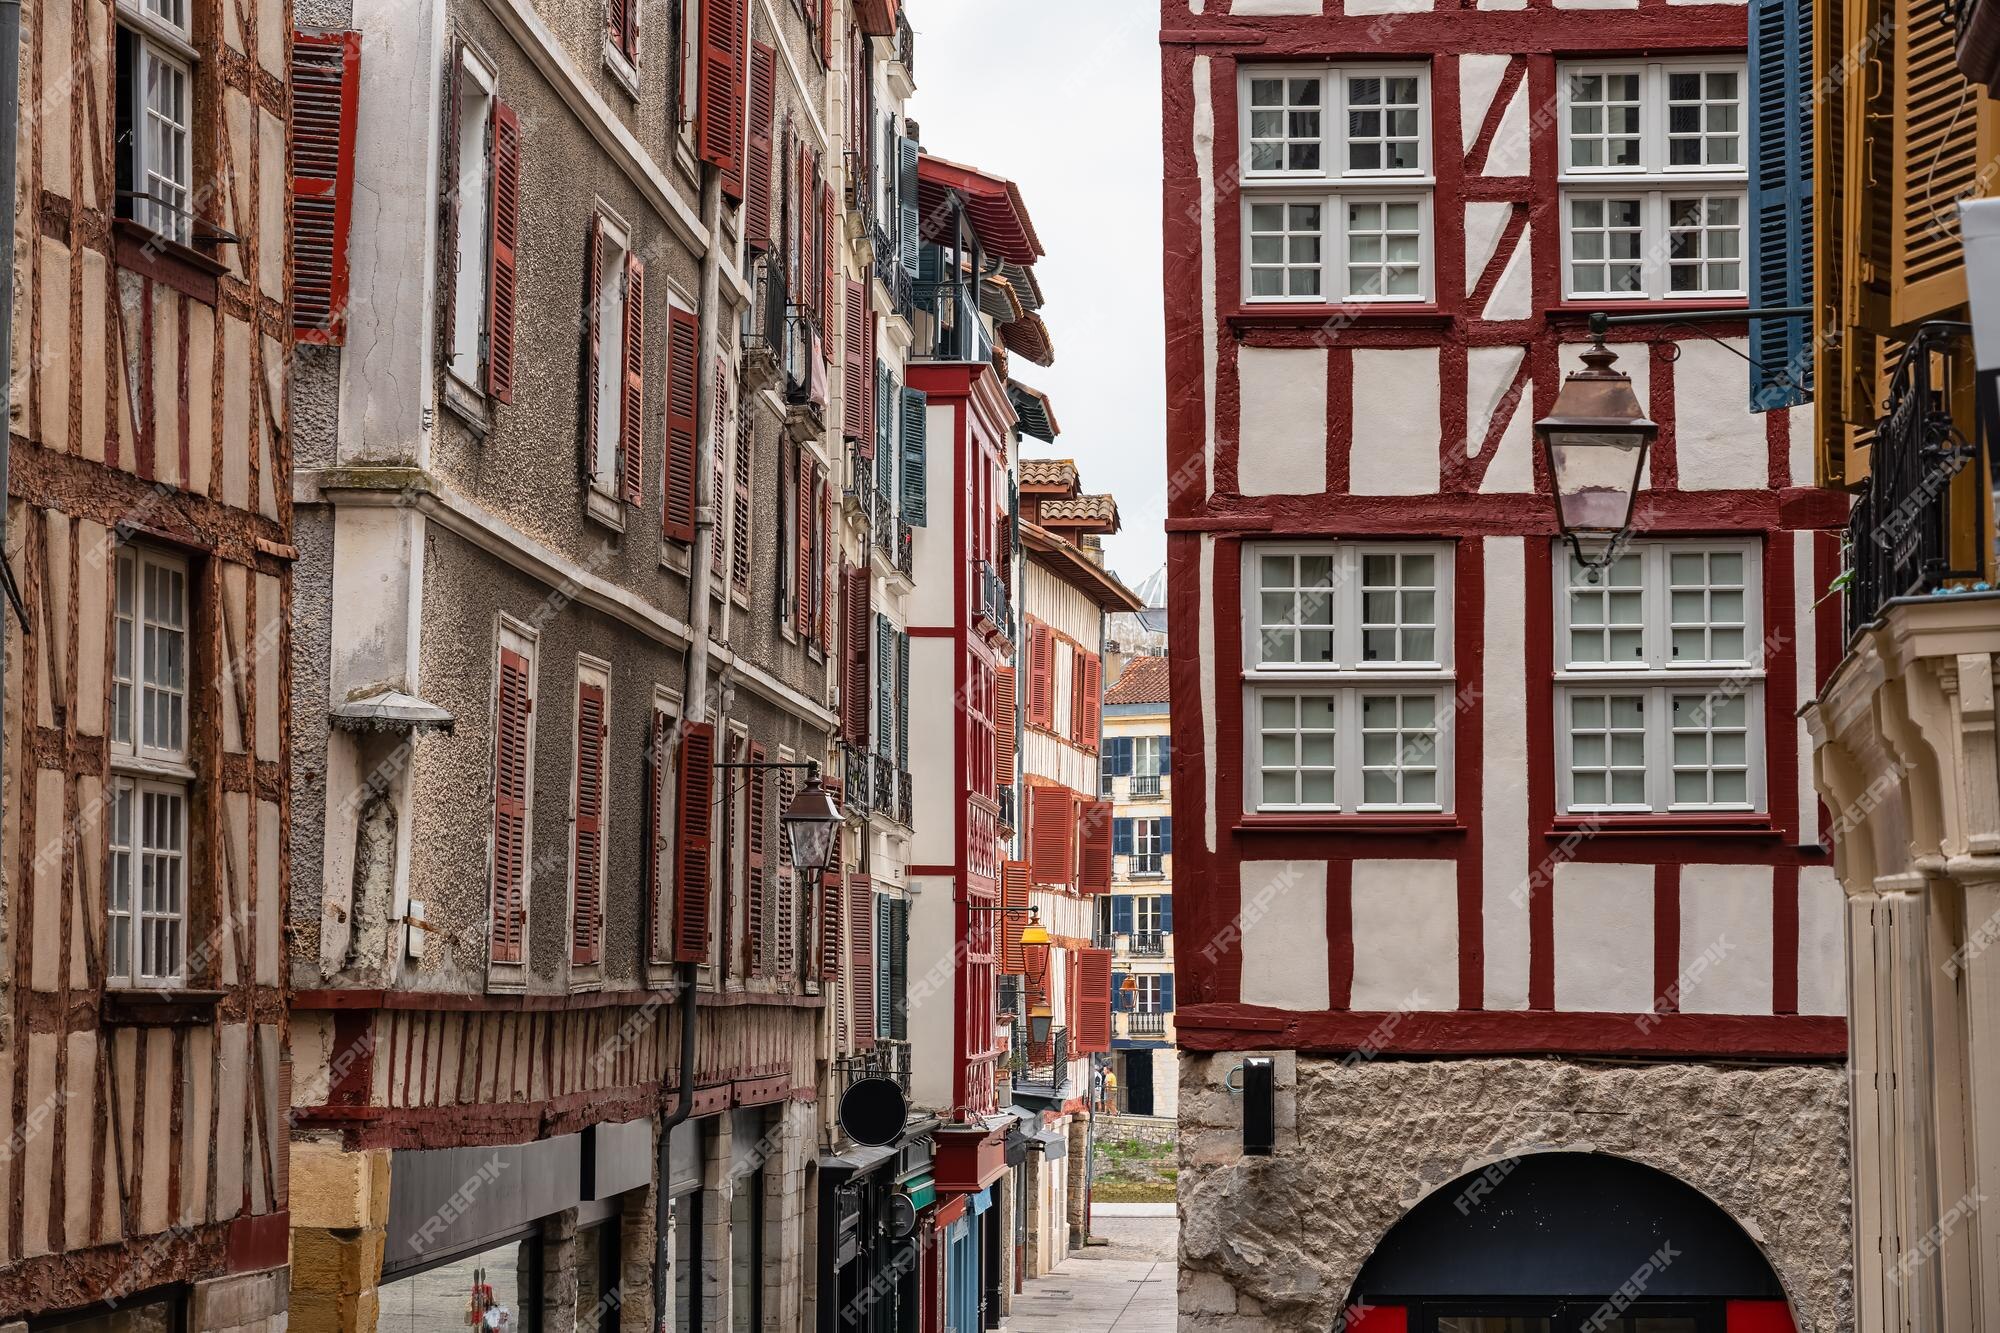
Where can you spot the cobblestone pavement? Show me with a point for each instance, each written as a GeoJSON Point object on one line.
{"type": "Point", "coordinates": [1124, 1287]}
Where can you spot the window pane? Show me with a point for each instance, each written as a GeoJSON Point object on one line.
{"type": "Point", "coordinates": [1296, 749]}
{"type": "Point", "coordinates": [1284, 252]}
{"type": "Point", "coordinates": [1285, 125]}
{"type": "Point", "coordinates": [1711, 749]}
{"type": "Point", "coordinates": [495, 1285]}
{"type": "Point", "coordinates": [1607, 750]}
{"type": "Point", "coordinates": [1384, 249]}
{"type": "Point", "coordinates": [1399, 749]}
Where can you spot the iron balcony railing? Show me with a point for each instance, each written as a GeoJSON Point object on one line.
{"type": "Point", "coordinates": [994, 605]}
{"type": "Point", "coordinates": [1146, 865]}
{"type": "Point", "coordinates": [861, 188]}
{"type": "Point", "coordinates": [949, 325]}
{"type": "Point", "coordinates": [888, 1059]}
{"type": "Point", "coordinates": [906, 799]}
{"type": "Point", "coordinates": [860, 490]}
{"type": "Point", "coordinates": [1899, 535]}
{"type": "Point", "coordinates": [906, 45]}
{"type": "Point", "coordinates": [764, 317]}
{"type": "Point", "coordinates": [1146, 1025]}
{"type": "Point", "coordinates": [882, 769]}
{"type": "Point", "coordinates": [1151, 944]}
{"type": "Point", "coordinates": [905, 551]}
{"type": "Point", "coordinates": [1007, 802]}
{"type": "Point", "coordinates": [857, 795]}
{"type": "Point", "coordinates": [1041, 1068]}
{"type": "Point", "coordinates": [1007, 998]}
{"type": "Point", "coordinates": [1145, 785]}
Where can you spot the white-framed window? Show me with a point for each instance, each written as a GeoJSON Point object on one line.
{"type": "Point", "coordinates": [614, 245]}
{"type": "Point", "coordinates": [1660, 680]}
{"type": "Point", "coordinates": [1149, 848]}
{"type": "Point", "coordinates": [1147, 998]}
{"type": "Point", "coordinates": [1654, 177]}
{"type": "Point", "coordinates": [1348, 676]}
{"type": "Point", "coordinates": [1147, 918]}
{"type": "Point", "coordinates": [156, 98]}
{"type": "Point", "coordinates": [472, 193]}
{"type": "Point", "coordinates": [1336, 183]}
{"type": "Point", "coordinates": [151, 779]}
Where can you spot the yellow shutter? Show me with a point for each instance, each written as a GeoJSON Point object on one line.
{"type": "Point", "coordinates": [1936, 162]}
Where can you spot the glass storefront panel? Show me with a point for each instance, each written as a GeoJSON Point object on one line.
{"type": "Point", "coordinates": [493, 1289]}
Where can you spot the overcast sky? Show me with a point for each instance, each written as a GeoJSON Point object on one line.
{"type": "Point", "coordinates": [1063, 97]}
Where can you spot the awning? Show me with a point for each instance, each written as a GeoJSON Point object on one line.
{"type": "Point", "coordinates": [1033, 413]}
{"type": "Point", "coordinates": [1029, 337]}
{"type": "Point", "coordinates": [992, 204]}
{"type": "Point", "coordinates": [391, 710]}
{"type": "Point", "coordinates": [922, 1192]}
{"type": "Point", "coordinates": [859, 1161]}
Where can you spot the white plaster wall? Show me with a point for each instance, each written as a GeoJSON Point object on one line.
{"type": "Point", "coordinates": [1805, 660]}
{"type": "Point", "coordinates": [1483, 224]}
{"type": "Point", "coordinates": [1362, 8]}
{"type": "Point", "coordinates": [934, 764]}
{"type": "Point", "coordinates": [934, 558]}
{"type": "Point", "coordinates": [1203, 146]}
{"type": "Point", "coordinates": [1504, 725]}
{"type": "Point", "coordinates": [1282, 914]}
{"type": "Point", "coordinates": [378, 564]}
{"type": "Point", "coordinates": [1282, 436]}
{"type": "Point", "coordinates": [1718, 441]}
{"type": "Point", "coordinates": [1513, 295]}
{"type": "Point", "coordinates": [1396, 431]}
{"type": "Point", "coordinates": [1513, 467]}
{"type": "Point", "coordinates": [1205, 635]}
{"type": "Point", "coordinates": [1799, 425]}
{"type": "Point", "coordinates": [1822, 942]}
{"type": "Point", "coordinates": [1725, 958]}
{"type": "Point", "coordinates": [1405, 935]}
{"type": "Point", "coordinates": [933, 1046]}
{"type": "Point", "coordinates": [1478, 80]}
{"type": "Point", "coordinates": [1276, 6]}
{"type": "Point", "coordinates": [1604, 937]}
{"type": "Point", "coordinates": [1508, 153]}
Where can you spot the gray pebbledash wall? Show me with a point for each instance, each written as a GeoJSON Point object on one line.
{"type": "Point", "coordinates": [1274, 1243]}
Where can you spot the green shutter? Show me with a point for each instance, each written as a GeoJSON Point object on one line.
{"type": "Point", "coordinates": [899, 970]}
{"type": "Point", "coordinates": [903, 701]}
{"type": "Point", "coordinates": [885, 968]}
{"type": "Point", "coordinates": [885, 685]}
{"type": "Point", "coordinates": [915, 483]}
{"type": "Point", "coordinates": [1781, 100]}
{"type": "Point", "coordinates": [910, 211]}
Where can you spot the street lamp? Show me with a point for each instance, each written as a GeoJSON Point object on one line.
{"type": "Point", "coordinates": [1595, 441]}
{"type": "Point", "coordinates": [812, 825]}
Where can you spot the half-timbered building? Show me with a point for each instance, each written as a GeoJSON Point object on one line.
{"type": "Point", "coordinates": [1512, 873]}
{"type": "Point", "coordinates": [143, 858]}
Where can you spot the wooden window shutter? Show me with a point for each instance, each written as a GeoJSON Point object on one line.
{"type": "Point", "coordinates": [658, 948]}
{"type": "Point", "coordinates": [916, 472]}
{"type": "Point", "coordinates": [1051, 835]}
{"type": "Point", "coordinates": [903, 701]}
{"type": "Point", "coordinates": [1005, 707]}
{"type": "Point", "coordinates": [825, 26]}
{"type": "Point", "coordinates": [717, 107]}
{"type": "Point", "coordinates": [805, 502]}
{"type": "Point", "coordinates": [1013, 897]}
{"type": "Point", "coordinates": [622, 20]}
{"type": "Point", "coordinates": [1079, 701]}
{"type": "Point", "coordinates": [855, 380]}
{"type": "Point", "coordinates": [872, 405]}
{"type": "Point", "coordinates": [830, 908]}
{"type": "Point", "coordinates": [718, 550]}
{"type": "Point", "coordinates": [755, 870]}
{"type": "Point", "coordinates": [326, 98]}
{"type": "Point", "coordinates": [587, 910]}
{"type": "Point", "coordinates": [694, 829]}
{"type": "Point", "coordinates": [632, 410]}
{"type": "Point", "coordinates": [1094, 831]}
{"type": "Point", "coordinates": [861, 957]}
{"type": "Point", "coordinates": [785, 925]}
{"type": "Point", "coordinates": [885, 686]}
{"type": "Point", "coordinates": [1093, 698]}
{"type": "Point", "coordinates": [1091, 1028]}
{"type": "Point", "coordinates": [510, 807]}
{"type": "Point", "coordinates": [593, 270]}
{"type": "Point", "coordinates": [1041, 677]}
{"type": "Point", "coordinates": [505, 240]}
{"type": "Point", "coordinates": [909, 211]}
{"type": "Point", "coordinates": [683, 422]}
{"type": "Point", "coordinates": [763, 132]}
{"type": "Point", "coordinates": [1781, 146]}
{"type": "Point", "coordinates": [739, 524]}
{"type": "Point", "coordinates": [828, 570]}
{"type": "Point", "coordinates": [1936, 162]}
{"type": "Point", "coordinates": [858, 609]}
{"type": "Point", "coordinates": [829, 249]}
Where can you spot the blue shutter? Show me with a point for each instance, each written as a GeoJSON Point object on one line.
{"type": "Point", "coordinates": [1118, 755]}
{"type": "Point", "coordinates": [1166, 914]}
{"type": "Point", "coordinates": [1121, 837]}
{"type": "Point", "coordinates": [903, 700]}
{"type": "Point", "coordinates": [888, 422]}
{"type": "Point", "coordinates": [915, 483]}
{"type": "Point", "coordinates": [885, 685]}
{"type": "Point", "coordinates": [1121, 914]}
{"type": "Point", "coordinates": [910, 211]}
{"type": "Point", "coordinates": [885, 394]}
{"type": "Point", "coordinates": [1167, 993]}
{"type": "Point", "coordinates": [1166, 755]}
{"type": "Point", "coordinates": [1781, 100]}
{"type": "Point", "coordinates": [1166, 834]}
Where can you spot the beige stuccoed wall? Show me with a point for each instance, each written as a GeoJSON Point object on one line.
{"type": "Point", "coordinates": [1274, 1243]}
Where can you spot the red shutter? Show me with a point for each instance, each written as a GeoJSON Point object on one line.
{"type": "Point", "coordinates": [857, 606]}
{"type": "Point", "coordinates": [856, 396]}
{"type": "Point", "coordinates": [718, 439]}
{"type": "Point", "coordinates": [1041, 677]}
{"type": "Point", "coordinates": [807, 519]}
{"type": "Point", "coordinates": [1013, 897]}
{"type": "Point", "coordinates": [861, 957]}
{"type": "Point", "coordinates": [587, 909]}
{"type": "Point", "coordinates": [683, 389]}
{"type": "Point", "coordinates": [1005, 707]}
{"type": "Point", "coordinates": [753, 892]}
{"type": "Point", "coordinates": [1093, 698]}
{"type": "Point", "coordinates": [826, 33]}
{"type": "Point", "coordinates": [1094, 833]}
{"type": "Point", "coordinates": [829, 925]}
{"type": "Point", "coordinates": [326, 96]}
{"type": "Point", "coordinates": [1090, 1033]}
{"type": "Point", "coordinates": [656, 838]}
{"type": "Point", "coordinates": [632, 419]}
{"type": "Point", "coordinates": [763, 134]}
{"type": "Point", "coordinates": [829, 250]}
{"type": "Point", "coordinates": [510, 806]}
{"type": "Point", "coordinates": [785, 929]}
{"type": "Point", "coordinates": [694, 818]}
{"type": "Point", "coordinates": [717, 101]}
{"type": "Point", "coordinates": [823, 553]}
{"type": "Point", "coordinates": [869, 406]}
{"type": "Point", "coordinates": [506, 237]}
{"type": "Point", "coordinates": [1052, 835]}
{"type": "Point", "coordinates": [739, 525]}
{"type": "Point", "coordinates": [593, 282]}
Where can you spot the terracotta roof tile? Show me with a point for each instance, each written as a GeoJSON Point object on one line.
{"type": "Point", "coordinates": [1143, 681]}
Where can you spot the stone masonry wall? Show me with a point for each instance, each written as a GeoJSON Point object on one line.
{"type": "Point", "coordinates": [1275, 1243]}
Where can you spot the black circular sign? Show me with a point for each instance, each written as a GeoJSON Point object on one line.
{"type": "Point", "coordinates": [872, 1111]}
{"type": "Point", "coordinates": [902, 1218]}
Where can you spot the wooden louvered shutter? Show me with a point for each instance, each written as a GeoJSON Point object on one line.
{"type": "Point", "coordinates": [622, 19]}
{"type": "Point", "coordinates": [1092, 687]}
{"type": "Point", "coordinates": [903, 701]}
{"type": "Point", "coordinates": [1937, 161]}
{"type": "Point", "coordinates": [858, 609]}
{"type": "Point", "coordinates": [719, 474]}
{"type": "Point", "coordinates": [1005, 723]}
{"type": "Point", "coordinates": [657, 877]}
{"type": "Point", "coordinates": [739, 523]}
{"type": "Point", "coordinates": [909, 212]}
{"type": "Point", "coordinates": [1780, 200]}
{"type": "Point", "coordinates": [885, 685]}
{"type": "Point", "coordinates": [861, 957]}
{"type": "Point", "coordinates": [593, 271]}
{"type": "Point", "coordinates": [505, 239]}
{"type": "Point", "coordinates": [1094, 831]}
{"type": "Point", "coordinates": [754, 867]}
{"type": "Point", "coordinates": [683, 422]}
{"type": "Point", "coordinates": [1091, 1028]}
{"type": "Point", "coordinates": [916, 473]}
{"type": "Point", "coordinates": [1051, 834]}
{"type": "Point", "coordinates": [763, 132]}
{"type": "Point", "coordinates": [326, 98]}
{"type": "Point", "coordinates": [1041, 677]}
{"type": "Point", "coordinates": [694, 830]}
{"type": "Point", "coordinates": [805, 502]}
{"type": "Point", "coordinates": [512, 719]}
{"type": "Point", "coordinates": [1013, 897]}
{"type": "Point", "coordinates": [829, 224]}
{"type": "Point", "coordinates": [830, 908]}
{"type": "Point", "coordinates": [587, 906]}
{"type": "Point", "coordinates": [855, 380]}
{"type": "Point", "coordinates": [632, 410]}
{"type": "Point", "coordinates": [784, 931]}
{"type": "Point", "coordinates": [717, 103]}
{"type": "Point", "coordinates": [828, 571]}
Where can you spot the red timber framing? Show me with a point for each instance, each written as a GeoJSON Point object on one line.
{"type": "Point", "coordinates": [1506, 998]}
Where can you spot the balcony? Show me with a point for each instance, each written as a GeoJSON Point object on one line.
{"type": "Point", "coordinates": [882, 777]}
{"type": "Point", "coordinates": [805, 375]}
{"type": "Point", "coordinates": [1902, 532]}
{"type": "Point", "coordinates": [949, 327]}
{"type": "Point", "coordinates": [857, 796]}
{"type": "Point", "coordinates": [1145, 787]}
{"type": "Point", "coordinates": [906, 45]}
{"type": "Point", "coordinates": [906, 799]}
{"type": "Point", "coordinates": [905, 554]}
{"type": "Point", "coordinates": [1040, 1070]}
{"type": "Point", "coordinates": [858, 499]}
{"type": "Point", "coordinates": [889, 1059]}
{"type": "Point", "coordinates": [1146, 1025]}
{"type": "Point", "coordinates": [764, 323]}
{"type": "Point", "coordinates": [992, 608]}
{"type": "Point", "coordinates": [1008, 818]}
{"type": "Point", "coordinates": [1151, 944]}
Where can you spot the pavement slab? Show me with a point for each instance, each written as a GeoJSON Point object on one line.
{"type": "Point", "coordinates": [1126, 1286]}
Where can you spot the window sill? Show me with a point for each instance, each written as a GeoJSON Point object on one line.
{"type": "Point", "coordinates": [1338, 822]}
{"type": "Point", "coordinates": [142, 1007]}
{"type": "Point", "coordinates": [675, 556]}
{"type": "Point", "coordinates": [1415, 315]}
{"type": "Point", "coordinates": [605, 509]}
{"type": "Point", "coordinates": [622, 71]}
{"type": "Point", "coordinates": [1752, 825]}
{"type": "Point", "coordinates": [181, 267]}
{"type": "Point", "coordinates": [1579, 309]}
{"type": "Point", "coordinates": [468, 404]}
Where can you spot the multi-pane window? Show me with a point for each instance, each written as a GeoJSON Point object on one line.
{"type": "Point", "coordinates": [1336, 184]}
{"type": "Point", "coordinates": [156, 67]}
{"type": "Point", "coordinates": [1149, 847]}
{"type": "Point", "coordinates": [147, 891]}
{"type": "Point", "coordinates": [1348, 677]}
{"type": "Point", "coordinates": [1146, 999]}
{"type": "Point", "coordinates": [1654, 179]}
{"type": "Point", "coordinates": [1660, 680]}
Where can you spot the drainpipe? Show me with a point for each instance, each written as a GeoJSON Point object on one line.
{"type": "Point", "coordinates": [695, 709]}
{"type": "Point", "coordinates": [10, 127]}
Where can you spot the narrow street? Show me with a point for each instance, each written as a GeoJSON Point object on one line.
{"type": "Point", "coordinates": [1124, 1287]}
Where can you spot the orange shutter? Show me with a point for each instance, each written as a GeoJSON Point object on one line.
{"type": "Point", "coordinates": [1093, 699]}
{"type": "Point", "coordinates": [587, 909]}
{"type": "Point", "coordinates": [754, 871]}
{"type": "Point", "coordinates": [1013, 897]}
{"type": "Point", "coordinates": [1041, 677]}
{"type": "Point", "coordinates": [326, 94]}
{"type": "Point", "coordinates": [1090, 1033]}
{"type": "Point", "coordinates": [683, 425]}
{"type": "Point", "coordinates": [632, 411]}
{"type": "Point", "coordinates": [1051, 835]}
{"type": "Point", "coordinates": [510, 807]}
{"type": "Point", "coordinates": [1005, 721]}
{"type": "Point", "coordinates": [1094, 832]}
{"type": "Point", "coordinates": [694, 816]}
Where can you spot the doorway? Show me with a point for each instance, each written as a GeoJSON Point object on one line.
{"type": "Point", "coordinates": [1139, 1082]}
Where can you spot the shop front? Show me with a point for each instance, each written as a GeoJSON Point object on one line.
{"type": "Point", "coordinates": [874, 1218]}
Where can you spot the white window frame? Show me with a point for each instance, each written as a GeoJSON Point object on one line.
{"type": "Point", "coordinates": [1658, 677]}
{"type": "Point", "coordinates": [1335, 185]}
{"type": "Point", "coordinates": [1654, 182]}
{"type": "Point", "coordinates": [163, 37]}
{"type": "Point", "coordinates": [610, 296]}
{"type": "Point", "coordinates": [666, 783]}
{"type": "Point", "coordinates": [142, 770]}
{"type": "Point", "coordinates": [1349, 677]}
{"type": "Point", "coordinates": [1148, 997]}
{"type": "Point", "coordinates": [1148, 917]}
{"type": "Point", "coordinates": [478, 91]}
{"type": "Point", "coordinates": [1147, 841]}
